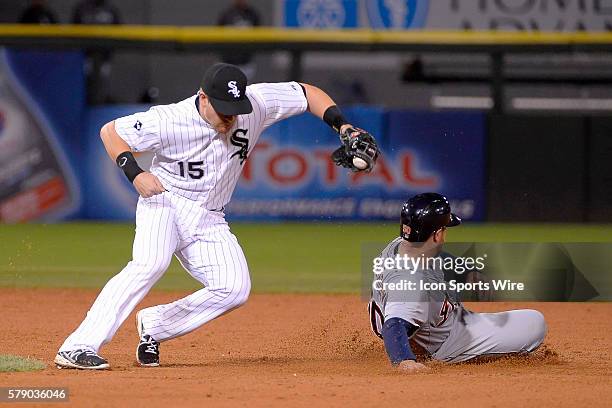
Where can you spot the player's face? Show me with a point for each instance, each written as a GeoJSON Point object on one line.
{"type": "Point", "coordinates": [221, 123]}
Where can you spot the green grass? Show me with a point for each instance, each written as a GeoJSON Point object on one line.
{"type": "Point", "coordinates": [10, 363]}
{"type": "Point", "coordinates": [317, 257]}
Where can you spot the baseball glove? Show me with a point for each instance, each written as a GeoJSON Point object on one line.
{"type": "Point", "coordinates": [356, 143]}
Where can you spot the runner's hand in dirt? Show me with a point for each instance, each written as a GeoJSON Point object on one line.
{"type": "Point", "coordinates": [411, 366]}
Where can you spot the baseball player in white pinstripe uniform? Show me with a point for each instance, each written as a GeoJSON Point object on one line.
{"type": "Point", "coordinates": [200, 145]}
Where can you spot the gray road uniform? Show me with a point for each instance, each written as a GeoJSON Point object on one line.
{"type": "Point", "coordinates": [446, 329]}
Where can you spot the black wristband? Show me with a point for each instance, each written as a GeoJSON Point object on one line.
{"type": "Point", "coordinates": [128, 164]}
{"type": "Point", "coordinates": [334, 118]}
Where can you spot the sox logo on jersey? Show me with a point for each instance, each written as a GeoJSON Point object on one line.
{"type": "Point", "coordinates": [242, 143]}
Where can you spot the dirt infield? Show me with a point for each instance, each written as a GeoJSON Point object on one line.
{"type": "Point", "coordinates": [304, 350]}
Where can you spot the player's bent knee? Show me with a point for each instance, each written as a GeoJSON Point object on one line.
{"type": "Point", "coordinates": [241, 299]}
{"type": "Point", "coordinates": [243, 295]}
{"type": "Point", "coordinates": [234, 297]}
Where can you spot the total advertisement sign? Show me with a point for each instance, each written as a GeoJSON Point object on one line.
{"type": "Point", "coordinates": [289, 174]}
{"type": "Point", "coordinates": [508, 15]}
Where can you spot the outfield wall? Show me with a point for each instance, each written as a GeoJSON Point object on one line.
{"type": "Point", "coordinates": [510, 168]}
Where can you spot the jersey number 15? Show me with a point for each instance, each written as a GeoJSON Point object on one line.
{"type": "Point", "coordinates": [194, 169]}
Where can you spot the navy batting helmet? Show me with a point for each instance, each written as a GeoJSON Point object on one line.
{"type": "Point", "coordinates": [424, 214]}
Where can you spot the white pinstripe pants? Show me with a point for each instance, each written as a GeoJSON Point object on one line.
{"type": "Point", "coordinates": [167, 224]}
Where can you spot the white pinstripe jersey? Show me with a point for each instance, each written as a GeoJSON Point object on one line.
{"type": "Point", "coordinates": [191, 158]}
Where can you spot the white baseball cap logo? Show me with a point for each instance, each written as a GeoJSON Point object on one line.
{"type": "Point", "coordinates": [233, 89]}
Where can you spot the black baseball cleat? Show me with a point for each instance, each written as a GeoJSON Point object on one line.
{"type": "Point", "coordinates": [147, 352]}
{"type": "Point", "coordinates": [80, 359]}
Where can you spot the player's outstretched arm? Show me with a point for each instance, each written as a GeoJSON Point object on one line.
{"type": "Point", "coordinates": [318, 102]}
{"type": "Point", "coordinates": [359, 150]}
{"type": "Point", "coordinates": [118, 150]}
{"type": "Point", "coordinates": [396, 332]}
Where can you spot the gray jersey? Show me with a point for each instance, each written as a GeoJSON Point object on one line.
{"type": "Point", "coordinates": [434, 312]}
{"type": "Point", "coordinates": [447, 330]}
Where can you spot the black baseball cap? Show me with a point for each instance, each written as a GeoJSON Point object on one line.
{"type": "Point", "coordinates": [225, 86]}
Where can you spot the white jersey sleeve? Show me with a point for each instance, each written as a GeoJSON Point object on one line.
{"type": "Point", "coordinates": [140, 130]}
{"type": "Point", "coordinates": [410, 305]}
{"type": "Point", "coordinates": [281, 100]}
